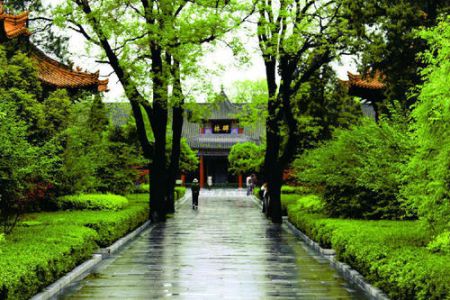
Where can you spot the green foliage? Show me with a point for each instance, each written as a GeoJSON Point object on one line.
{"type": "Point", "coordinates": [389, 254]}
{"type": "Point", "coordinates": [254, 95]}
{"type": "Point", "coordinates": [188, 158]}
{"type": "Point", "coordinates": [63, 240]}
{"type": "Point", "coordinates": [142, 188]}
{"type": "Point", "coordinates": [360, 170]}
{"type": "Point", "coordinates": [180, 191]}
{"type": "Point", "coordinates": [428, 176]}
{"type": "Point", "coordinates": [392, 45]}
{"type": "Point", "coordinates": [96, 158]}
{"type": "Point", "coordinates": [245, 158]}
{"type": "Point", "coordinates": [321, 106]}
{"type": "Point", "coordinates": [441, 243]}
{"type": "Point", "coordinates": [310, 204]}
{"type": "Point", "coordinates": [60, 248]}
{"type": "Point", "coordinates": [287, 189]}
{"type": "Point", "coordinates": [25, 158]}
{"type": "Point", "coordinates": [92, 202]}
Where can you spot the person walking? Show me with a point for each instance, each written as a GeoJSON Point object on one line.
{"type": "Point", "coordinates": [248, 182]}
{"type": "Point", "coordinates": [254, 182]}
{"type": "Point", "coordinates": [265, 197]}
{"type": "Point", "coordinates": [195, 188]}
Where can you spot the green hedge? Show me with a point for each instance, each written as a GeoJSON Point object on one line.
{"type": "Point", "coordinates": [47, 245]}
{"type": "Point", "coordinates": [391, 255]}
{"type": "Point", "coordinates": [180, 191]}
{"type": "Point", "coordinates": [288, 189]}
{"type": "Point", "coordinates": [35, 256]}
{"type": "Point", "coordinates": [92, 202]}
{"type": "Point", "coordinates": [142, 188]}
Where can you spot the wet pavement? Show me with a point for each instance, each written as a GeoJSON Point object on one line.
{"type": "Point", "coordinates": [224, 250]}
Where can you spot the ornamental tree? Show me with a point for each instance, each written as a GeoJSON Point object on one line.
{"type": "Point", "coordinates": [245, 158]}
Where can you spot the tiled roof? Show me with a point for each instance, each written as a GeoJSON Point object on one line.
{"type": "Point", "coordinates": [370, 83]}
{"type": "Point", "coordinates": [14, 25]}
{"type": "Point", "coordinates": [55, 74]}
{"type": "Point", "coordinates": [218, 141]}
{"type": "Point", "coordinates": [50, 72]}
{"type": "Point", "coordinates": [222, 110]}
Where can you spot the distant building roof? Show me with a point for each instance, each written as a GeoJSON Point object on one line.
{"type": "Point", "coordinates": [223, 109]}
{"type": "Point", "coordinates": [367, 82]}
{"type": "Point", "coordinates": [367, 87]}
{"type": "Point", "coordinates": [50, 71]}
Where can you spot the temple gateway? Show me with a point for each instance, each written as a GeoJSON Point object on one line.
{"type": "Point", "coordinates": [212, 138]}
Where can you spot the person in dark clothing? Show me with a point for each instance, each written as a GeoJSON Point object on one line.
{"type": "Point", "coordinates": [195, 188]}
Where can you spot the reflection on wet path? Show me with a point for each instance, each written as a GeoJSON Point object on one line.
{"type": "Point", "coordinates": [225, 250]}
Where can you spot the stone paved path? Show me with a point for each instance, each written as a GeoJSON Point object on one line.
{"type": "Point", "coordinates": [225, 250]}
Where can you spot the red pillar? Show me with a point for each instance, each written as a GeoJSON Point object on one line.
{"type": "Point", "coordinates": [183, 179]}
{"type": "Point", "coordinates": [240, 181]}
{"type": "Point", "coordinates": [202, 172]}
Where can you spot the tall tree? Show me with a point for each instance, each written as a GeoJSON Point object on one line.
{"type": "Point", "coordinates": [296, 39]}
{"type": "Point", "coordinates": [143, 41]}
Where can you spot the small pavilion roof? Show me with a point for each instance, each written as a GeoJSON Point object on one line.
{"type": "Point", "coordinates": [50, 71]}
{"type": "Point", "coordinates": [369, 87]}
{"type": "Point", "coordinates": [366, 82]}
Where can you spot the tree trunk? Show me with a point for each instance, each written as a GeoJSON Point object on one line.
{"type": "Point", "coordinates": [177, 127]}
{"type": "Point", "coordinates": [158, 175]}
{"type": "Point", "coordinates": [158, 119]}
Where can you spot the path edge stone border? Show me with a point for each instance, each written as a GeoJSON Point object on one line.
{"type": "Point", "coordinates": [343, 269]}
{"type": "Point", "coordinates": [85, 268]}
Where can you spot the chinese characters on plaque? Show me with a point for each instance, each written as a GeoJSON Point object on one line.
{"type": "Point", "coordinates": [221, 127]}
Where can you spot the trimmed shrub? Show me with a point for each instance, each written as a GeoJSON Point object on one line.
{"type": "Point", "coordinates": [109, 225]}
{"type": "Point", "coordinates": [45, 246]}
{"type": "Point", "coordinates": [92, 202]}
{"type": "Point", "coordinates": [391, 255]}
{"type": "Point", "coordinates": [143, 188]}
{"type": "Point", "coordinates": [35, 256]}
{"type": "Point", "coordinates": [180, 191]}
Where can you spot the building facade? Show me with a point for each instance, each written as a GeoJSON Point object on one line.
{"type": "Point", "coordinates": [212, 138]}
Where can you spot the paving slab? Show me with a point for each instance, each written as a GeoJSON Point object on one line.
{"type": "Point", "coordinates": [224, 250]}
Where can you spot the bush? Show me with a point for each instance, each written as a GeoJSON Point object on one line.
{"type": "Point", "coordinates": [142, 188]}
{"type": "Point", "coordinates": [180, 191]}
{"type": "Point", "coordinates": [287, 189]}
{"type": "Point", "coordinates": [360, 170]}
{"type": "Point", "coordinates": [441, 243]}
{"type": "Point", "coordinates": [92, 202]}
{"type": "Point", "coordinates": [389, 254]}
{"type": "Point", "coordinates": [109, 225]}
{"type": "Point", "coordinates": [45, 246]}
{"type": "Point", "coordinates": [35, 256]}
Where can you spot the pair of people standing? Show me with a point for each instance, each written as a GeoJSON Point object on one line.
{"type": "Point", "coordinates": [251, 183]}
